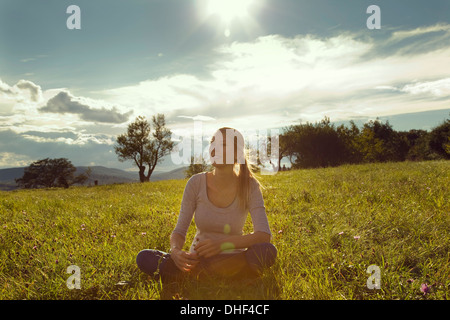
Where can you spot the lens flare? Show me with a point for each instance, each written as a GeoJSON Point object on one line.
{"type": "Point", "coordinates": [229, 9]}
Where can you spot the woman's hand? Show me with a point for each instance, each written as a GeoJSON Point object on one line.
{"type": "Point", "coordinates": [185, 261]}
{"type": "Point", "coordinates": [208, 248]}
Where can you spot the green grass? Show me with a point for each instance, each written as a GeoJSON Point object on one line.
{"type": "Point", "coordinates": [398, 212]}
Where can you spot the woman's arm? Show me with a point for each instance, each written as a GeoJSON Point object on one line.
{"type": "Point", "coordinates": [245, 241]}
{"type": "Point", "coordinates": [185, 261]}
{"type": "Point", "coordinates": [208, 248]}
{"type": "Point", "coordinates": [176, 241]}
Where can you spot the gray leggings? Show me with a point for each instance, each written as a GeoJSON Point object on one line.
{"type": "Point", "coordinates": [160, 265]}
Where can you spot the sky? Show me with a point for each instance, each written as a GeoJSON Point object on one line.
{"type": "Point", "coordinates": [246, 64]}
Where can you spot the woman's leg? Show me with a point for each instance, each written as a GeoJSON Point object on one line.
{"type": "Point", "coordinates": [225, 265]}
{"type": "Point", "coordinates": [158, 264]}
{"type": "Point", "coordinates": [261, 256]}
{"type": "Point", "coordinates": [249, 263]}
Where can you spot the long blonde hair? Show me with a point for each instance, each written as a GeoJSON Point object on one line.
{"type": "Point", "coordinates": [245, 174]}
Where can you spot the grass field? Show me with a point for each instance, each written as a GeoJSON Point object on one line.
{"type": "Point", "coordinates": [329, 226]}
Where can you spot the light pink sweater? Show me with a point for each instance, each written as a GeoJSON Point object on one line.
{"type": "Point", "coordinates": [217, 223]}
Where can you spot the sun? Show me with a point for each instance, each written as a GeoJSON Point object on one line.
{"type": "Point", "coordinates": [229, 9]}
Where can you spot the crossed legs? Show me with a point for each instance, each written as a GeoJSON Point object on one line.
{"type": "Point", "coordinates": [250, 262]}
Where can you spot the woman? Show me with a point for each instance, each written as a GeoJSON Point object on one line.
{"type": "Point", "coordinates": [221, 200]}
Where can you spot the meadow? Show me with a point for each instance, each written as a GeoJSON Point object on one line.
{"type": "Point", "coordinates": [329, 225]}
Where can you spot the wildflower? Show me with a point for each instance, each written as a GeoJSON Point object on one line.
{"type": "Point", "coordinates": [177, 296]}
{"type": "Point", "coordinates": [143, 233]}
{"type": "Point", "coordinates": [35, 248]}
{"type": "Point", "coordinates": [356, 237]}
{"type": "Point", "coordinates": [341, 233]}
{"type": "Point", "coordinates": [280, 231]}
{"type": "Point", "coordinates": [424, 288]}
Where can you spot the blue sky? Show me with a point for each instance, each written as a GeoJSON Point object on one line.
{"type": "Point", "coordinates": [69, 93]}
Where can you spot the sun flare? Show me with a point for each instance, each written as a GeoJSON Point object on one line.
{"type": "Point", "coordinates": [229, 9]}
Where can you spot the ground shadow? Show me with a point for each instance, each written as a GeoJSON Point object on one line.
{"type": "Point", "coordinates": [217, 288]}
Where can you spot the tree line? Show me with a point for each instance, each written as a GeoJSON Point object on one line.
{"type": "Point", "coordinates": [323, 144]}
{"type": "Point", "coordinates": [309, 145]}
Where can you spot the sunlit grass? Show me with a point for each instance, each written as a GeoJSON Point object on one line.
{"type": "Point", "coordinates": [328, 224]}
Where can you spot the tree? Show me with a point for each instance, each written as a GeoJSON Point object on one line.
{"type": "Point", "coordinates": [137, 145]}
{"type": "Point", "coordinates": [440, 139]}
{"type": "Point", "coordinates": [285, 142]}
{"type": "Point", "coordinates": [418, 148]}
{"type": "Point", "coordinates": [349, 137]}
{"type": "Point", "coordinates": [51, 173]}
{"type": "Point", "coordinates": [315, 145]}
{"type": "Point", "coordinates": [378, 142]}
{"type": "Point", "coordinates": [198, 164]}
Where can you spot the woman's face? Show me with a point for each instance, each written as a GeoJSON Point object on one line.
{"type": "Point", "coordinates": [218, 155]}
{"type": "Point", "coordinates": [223, 154]}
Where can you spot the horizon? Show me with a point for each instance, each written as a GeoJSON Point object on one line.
{"type": "Point", "coordinates": [262, 64]}
{"type": "Point", "coordinates": [401, 121]}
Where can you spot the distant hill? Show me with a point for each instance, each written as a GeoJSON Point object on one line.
{"type": "Point", "coordinates": [107, 175]}
{"type": "Point", "coordinates": [100, 174]}
{"type": "Point", "coordinates": [171, 175]}
{"type": "Point", "coordinates": [7, 177]}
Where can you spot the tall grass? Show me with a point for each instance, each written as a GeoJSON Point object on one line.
{"type": "Point", "coordinates": [328, 225]}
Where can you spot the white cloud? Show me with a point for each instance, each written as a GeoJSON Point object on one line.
{"type": "Point", "coordinates": [19, 100]}
{"type": "Point", "coordinates": [273, 81]}
{"type": "Point", "coordinates": [22, 91]}
{"type": "Point", "coordinates": [391, 88]}
{"type": "Point", "coordinates": [256, 78]}
{"type": "Point", "coordinates": [279, 80]}
{"type": "Point", "coordinates": [10, 159]}
{"type": "Point", "coordinates": [80, 139]}
{"type": "Point", "coordinates": [35, 92]}
{"type": "Point", "coordinates": [198, 118]}
{"type": "Point", "coordinates": [64, 103]}
{"type": "Point", "coordinates": [436, 88]}
{"type": "Point", "coordinates": [403, 34]}
{"type": "Point", "coordinates": [165, 94]}
{"type": "Point", "coordinates": [27, 60]}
